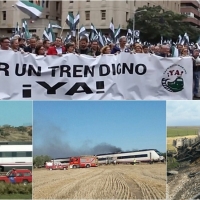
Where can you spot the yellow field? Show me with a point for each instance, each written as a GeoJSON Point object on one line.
{"type": "Point", "coordinates": [170, 141]}
{"type": "Point", "coordinates": [142, 181]}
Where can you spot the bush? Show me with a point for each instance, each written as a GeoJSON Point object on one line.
{"type": "Point", "coordinates": [7, 188]}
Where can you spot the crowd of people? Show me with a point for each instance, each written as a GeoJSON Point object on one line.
{"type": "Point", "coordinates": [92, 48]}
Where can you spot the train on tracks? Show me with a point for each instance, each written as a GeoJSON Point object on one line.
{"type": "Point", "coordinates": [145, 155]}
{"type": "Point", "coordinates": [15, 155]}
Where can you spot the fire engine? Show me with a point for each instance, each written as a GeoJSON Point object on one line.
{"type": "Point", "coordinates": [56, 166]}
{"type": "Point", "coordinates": [83, 161]}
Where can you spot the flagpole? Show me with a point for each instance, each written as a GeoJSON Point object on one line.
{"type": "Point", "coordinates": [62, 30]}
{"type": "Point", "coordinates": [79, 22]}
{"type": "Point", "coordinates": [78, 33]}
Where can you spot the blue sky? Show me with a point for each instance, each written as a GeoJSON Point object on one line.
{"type": "Point", "coordinates": [183, 113]}
{"type": "Point", "coordinates": [16, 113]}
{"type": "Point", "coordinates": [68, 127]}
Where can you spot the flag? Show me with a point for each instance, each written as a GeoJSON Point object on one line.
{"type": "Point", "coordinates": [31, 9]}
{"type": "Point", "coordinates": [83, 32]}
{"type": "Point", "coordinates": [45, 34]}
{"type": "Point", "coordinates": [174, 52]}
{"type": "Point", "coordinates": [179, 39]}
{"type": "Point", "coordinates": [56, 26]}
{"type": "Point", "coordinates": [76, 21]}
{"type": "Point", "coordinates": [112, 28]}
{"type": "Point", "coordinates": [101, 39]}
{"type": "Point", "coordinates": [187, 40]}
{"type": "Point", "coordinates": [117, 32]}
{"type": "Point", "coordinates": [51, 33]}
{"type": "Point", "coordinates": [25, 30]}
{"type": "Point", "coordinates": [17, 31]}
{"type": "Point", "coordinates": [94, 35]}
{"type": "Point", "coordinates": [68, 38]}
{"type": "Point", "coordinates": [70, 20]}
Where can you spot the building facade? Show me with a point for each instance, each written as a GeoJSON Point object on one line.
{"type": "Point", "coordinates": [11, 15]}
{"type": "Point", "coordinates": [192, 10]}
{"type": "Point", "coordinates": [101, 12]}
{"type": "Point", "coordinates": [98, 12]}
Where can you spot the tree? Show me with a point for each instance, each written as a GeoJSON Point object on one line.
{"type": "Point", "coordinates": [38, 161]}
{"type": "Point", "coordinates": [157, 22]}
{"type": "Point", "coordinates": [21, 128]}
{"type": "Point", "coordinates": [30, 132]}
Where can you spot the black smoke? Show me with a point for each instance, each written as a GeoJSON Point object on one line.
{"type": "Point", "coordinates": [51, 140]}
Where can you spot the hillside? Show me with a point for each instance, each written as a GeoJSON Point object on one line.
{"type": "Point", "coordinates": [11, 134]}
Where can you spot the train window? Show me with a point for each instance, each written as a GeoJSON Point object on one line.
{"type": "Point", "coordinates": [141, 155]}
{"type": "Point", "coordinates": [28, 154]}
{"type": "Point", "coordinates": [100, 159]}
{"type": "Point", "coordinates": [6, 154]}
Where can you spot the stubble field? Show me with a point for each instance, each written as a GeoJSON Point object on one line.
{"type": "Point", "coordinates": [142, 181]}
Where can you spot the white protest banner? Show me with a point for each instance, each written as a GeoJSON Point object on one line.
{"type": "Point", "coordinates": [108, 77]}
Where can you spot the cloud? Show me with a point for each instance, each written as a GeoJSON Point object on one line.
{"type": "Point", "coordinates": [183, 113]}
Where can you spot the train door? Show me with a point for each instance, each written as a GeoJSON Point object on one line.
{"type": "Point", "coordinates": [150, 157]}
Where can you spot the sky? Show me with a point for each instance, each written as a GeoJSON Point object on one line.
{"type": "Point", "coordinates": [183, 113]}
{"type": "Point", "coordinates": [16, 113]}
{"type": "Point", "coordinates": [70, 128]}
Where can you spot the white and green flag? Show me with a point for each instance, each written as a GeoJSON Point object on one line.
{"type": "Point", "coordinates": [70, 20]}
{"type": "Point", "coordinates": [51, 33]}
{"type": "Point", "coordinates": [25, 31]}
{"type": "Point", "coordinates": [117, 32]}
{"type": "Point", "coordinates": [31, 9]}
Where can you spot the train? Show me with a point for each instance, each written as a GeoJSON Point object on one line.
{"type": "Point", "coordinates": [145, 155]}
{"type": "Point", "coordinates": [15, 155]}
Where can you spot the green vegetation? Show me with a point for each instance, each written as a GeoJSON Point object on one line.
{"type": "Point", "coordinates": [172, 163]}
{"type": "Point", "coordinates": [11, 133]}
{"type": "Point", "coordinates": [39, 161]}
{"type": "Point", "coordinates": [16, 196]}
{"type": "Point", "coordinates": [182, 131]}
{"type": "Point", "coordinates": [157, 22]}
{"type": "Point", "coordinates": [11, 189]}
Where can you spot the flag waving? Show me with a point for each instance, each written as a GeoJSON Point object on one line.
{"type": "Point", "coordinates": [31, 9]}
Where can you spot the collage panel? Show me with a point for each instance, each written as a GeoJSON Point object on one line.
{"type": "Point", "coordinates": [183, 150]}
{"type": "Point", "coordinates": [16, 159]}
{"type": "Point", "coordinates": [99, 150]}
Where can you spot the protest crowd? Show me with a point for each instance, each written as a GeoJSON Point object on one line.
{"type": "Point", "coordinates": [93, 48]}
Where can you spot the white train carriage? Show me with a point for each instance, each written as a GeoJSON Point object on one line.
{"type": "Point", "coordinates": [64, 161]}
{"type": "Point", "coordinates": [15, 155]}
{"type": "Point", "coordinates": [146, 155]}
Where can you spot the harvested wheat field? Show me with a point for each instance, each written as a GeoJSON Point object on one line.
{"type": "Point", "coordinates": [142, 181]}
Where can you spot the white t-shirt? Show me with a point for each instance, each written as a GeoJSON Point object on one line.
{"type": "Point", "coordinates": [59, 50]}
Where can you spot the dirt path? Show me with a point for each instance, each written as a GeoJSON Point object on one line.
{"type": "Point", "coordinates": [142, 181]}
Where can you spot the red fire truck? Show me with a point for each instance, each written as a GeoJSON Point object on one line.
{"type": "Point", "coordinates": [56, 166]}
{"type": "Point", "coordinates": [83, 161]}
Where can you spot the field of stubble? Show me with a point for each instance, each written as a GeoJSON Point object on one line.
{"type": "Point", "coordinates": [143, 181]}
